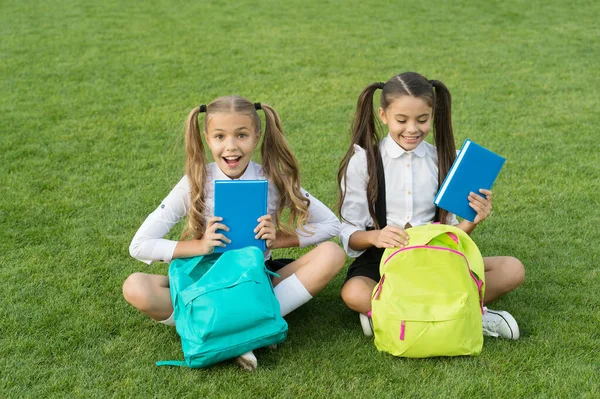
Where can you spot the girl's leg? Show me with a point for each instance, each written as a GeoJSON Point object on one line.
{"type": "Point", "coordinates": [502, 274]}
{"type": "Point", "coordinates": [316, 268]}
{"type": "Point", "coordinates": [149, 293]}
{"type": "Point", "coordinates": [356, 293]}
{"type": "Point", "coordinates": [300, 280]}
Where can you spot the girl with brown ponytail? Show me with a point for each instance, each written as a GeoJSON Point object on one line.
{"type": "Point", "coordinates": [389, 184]}
{"type": "Point", "coordinates": [232, 131]}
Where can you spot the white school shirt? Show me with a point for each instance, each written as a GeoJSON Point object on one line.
{"type": "Point", "coordinates": [411, 183]}
{"type": "Point", "coordinates": [148, 244]}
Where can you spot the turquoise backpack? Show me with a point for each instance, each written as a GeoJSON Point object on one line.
{"type": "Point", "coordinates": [224, 306]}
{"type": "Point", "coordinates": [429, 301]}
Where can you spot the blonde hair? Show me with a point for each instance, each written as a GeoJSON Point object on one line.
{"type": "Point", "coordinates": [279, 164]}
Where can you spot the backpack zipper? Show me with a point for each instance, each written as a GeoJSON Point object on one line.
{"type": "Point", "coordinates": [478, 282]}
{"type": "Point", "coordinates": [379, 288]}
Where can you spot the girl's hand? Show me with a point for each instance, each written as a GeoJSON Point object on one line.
{"type": "Point", "coordinates": [266, 230]}
{"type": "Point", "coordinates": [391, 237]}
{"type": "Point", "coordinates": [481, 204]}
{"type": "Point", "coordinates": [211, 238]}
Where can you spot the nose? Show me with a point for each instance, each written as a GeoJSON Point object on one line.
{"type": "Point", "coordinates": [411, 127]}
{"type": "Point", "coordinates": [230, 144]}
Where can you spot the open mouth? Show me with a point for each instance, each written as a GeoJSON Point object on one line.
{"type": "Point", "coordinates": [232, 161]}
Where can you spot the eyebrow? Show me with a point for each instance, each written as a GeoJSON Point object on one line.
{"type": "Point", "coordinates": [225, 131]}
{"type": "Point", "coordinates": [405, 116]}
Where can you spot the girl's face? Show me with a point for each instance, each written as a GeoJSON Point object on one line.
{"type": "Point", "coordinates": [231, 138]}
{"type": "Point", "coordinates": [409, 120]}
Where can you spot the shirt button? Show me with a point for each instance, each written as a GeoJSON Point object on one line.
{"type": "Point", "coordinates": [409, 193]}
{"type": "Point", "coordinates": [408, 165]}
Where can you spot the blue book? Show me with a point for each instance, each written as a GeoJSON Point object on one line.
{"type": "Point", "coordinates": [240, 203]}
{"type": "Point", "coordinates": [475, 167]}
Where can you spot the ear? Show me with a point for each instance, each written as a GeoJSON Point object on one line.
{"type": "Point", "coordinates": [257, 139]}
{"type": "Point", "coordinates": [382, 116]}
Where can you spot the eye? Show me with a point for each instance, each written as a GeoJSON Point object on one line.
{"type": "Point", "coordinates": [219, 136]}
{"type": "Point", "coordinates": [424, 121]}
{"type": "Point", "coordinates": [400, 121]}
{"type": "Point", "coordinates": [242, 135]}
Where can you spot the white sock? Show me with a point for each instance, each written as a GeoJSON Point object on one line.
{"type": "Point", "coordinates": [291, 294]}
{"type": "Point", "coordinates": [170, 321]}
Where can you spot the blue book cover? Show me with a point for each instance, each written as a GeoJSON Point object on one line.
{"type": "Point", "coordinates": [475, 167]}
{"type": "Point", "coordinates": [240, 203]}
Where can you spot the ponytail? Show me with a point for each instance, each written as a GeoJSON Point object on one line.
{"type": "Point", "coordinates": [444, 137]}
{"type": "Point", "coordinates": [365, 132]}
{"type": "Point", "coordinates": [279, 164]}
{"type": "Point", "coordinates": [195, 169]}
{"type": "Point", "coordinates": [365, 135]}
{"type": "Point", "coordinates": [281, 168]}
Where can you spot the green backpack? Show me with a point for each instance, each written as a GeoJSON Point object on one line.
{"type": "Point", "coordinates": [429, 301]}
{"type": "Point", "coordinates": [224, 306]}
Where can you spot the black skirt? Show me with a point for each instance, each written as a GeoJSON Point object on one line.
{"type": "Point", "coordinates": [276, 264]}
{"type": "Point", "coordinates": [366, 265]}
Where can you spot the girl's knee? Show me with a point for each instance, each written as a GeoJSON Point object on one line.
{"type": "Point", "coordinates": [517, 272]}
{"type": "Point", "coordinates": [335, 253]}
{"type": "Point", "coordinates": [134, 289]}
{"type": "Point", "coordinates": [349, 296]}
{"type": "Point", "coordinates": [356, 298]}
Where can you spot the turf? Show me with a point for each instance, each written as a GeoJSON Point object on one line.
{"type": "Point", "coordinates": [94, 96]}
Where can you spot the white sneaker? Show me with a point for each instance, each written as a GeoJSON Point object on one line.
{"type": "Point", "coordinates": [366, 324]}
{"type": "Point", "coordinates": [247, 361]}
{"type": "Point", "coordinates": [499, 323]}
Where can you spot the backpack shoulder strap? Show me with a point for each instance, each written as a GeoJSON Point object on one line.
{"type": "Point", "coordinates": [177, 363]}
{"type": "Point", "coordinates": [380, 206]}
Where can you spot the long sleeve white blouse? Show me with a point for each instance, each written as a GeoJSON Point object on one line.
{"type": "Point", "coordinates": [411, 183]}
{"type": "Point", "coordinates": [149, 245]}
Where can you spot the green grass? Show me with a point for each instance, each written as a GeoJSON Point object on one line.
{"type": "Point", "coordinates": [94, 96]}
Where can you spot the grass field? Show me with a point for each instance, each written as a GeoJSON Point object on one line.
{"type": "Point", "coordinates": [93, 100]}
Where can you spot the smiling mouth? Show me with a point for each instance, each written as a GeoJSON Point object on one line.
{"type": "Point", "coordinates": [232, 160]}
{"type": "Point", "coordinates": [410, 138]}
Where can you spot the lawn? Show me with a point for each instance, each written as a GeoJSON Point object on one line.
{"type": "Point", "coordinates": [94, 97]}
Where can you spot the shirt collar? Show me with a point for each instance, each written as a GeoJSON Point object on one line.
{"type": "Point", "coordinates": [249, 173]}
{"type": "Point", "coordinates": [395, 151]}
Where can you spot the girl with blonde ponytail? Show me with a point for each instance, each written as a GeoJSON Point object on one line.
{"type": "Point", "coordinates": [389, 184]}
{"type": "Point", "coordinates": [232, 130]}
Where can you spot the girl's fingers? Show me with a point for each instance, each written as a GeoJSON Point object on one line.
{"type": "Point", "coordinates": [476, 205]}
{"type": "Point", "coordinates": [397, 231]}
{"type": "Point", "coordinates": [486, 193]}
{"type": "Point", "coordinates": [480, 202]}
{"type": "Point", "coordinates": [482, 212]}
{"type": "Point", "coordinates": [265, 232]}
{"type": "Point", "coordinates": [485, 198]}
{"type": "Point", "coordinates": [216, 243]}
{"type": "Point", "coordinates": [219, 238]}
{"type": "Point", "coordinates": [213, 219]}
{"type": "Point", "coordinates": [218, 226]}
{"type": "Point", "coordinates": [392, 242]}
{"type": "Point", "coordinates": [397, 240]}
{"type": "Point", "coordinates": [265, 218]}
{"type": "Point", "coordinates": [264, 224]}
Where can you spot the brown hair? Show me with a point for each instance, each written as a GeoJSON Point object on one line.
{"type": "Point", "coordinates": [366, 131]}
{"type": "Point", "coordinates": [279, 164]}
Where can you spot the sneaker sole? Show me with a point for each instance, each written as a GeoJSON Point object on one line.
{"type": "Point", "coordinates": [510, 321]}
{"type": "Point", "coordinates": [245, 363]}
{"type": "Point", "coordinates": [367, 327]}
